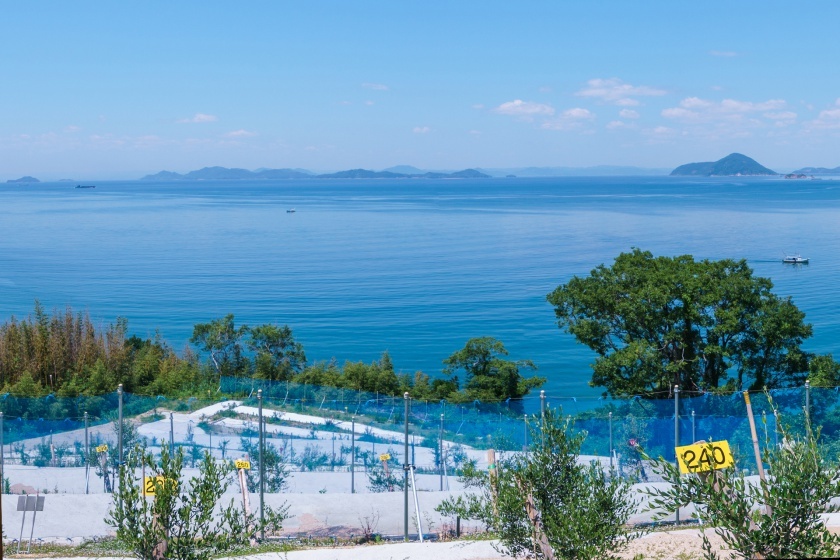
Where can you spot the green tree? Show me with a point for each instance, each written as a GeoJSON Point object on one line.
{"type": "Point", "coordinates": [277, 355]}
{"type": "Point", "coordinates": [223, 342]}
{"type": "Point", "coordinates": [489, 377]}
{"type": "Point", "coordinates": [545, 503]}
{"type": "Point", "coordinates": [659, 321]}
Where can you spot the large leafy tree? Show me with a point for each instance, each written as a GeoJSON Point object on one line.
{"type": "Point", "coordinates": [659, 321]}
{"type": "Point", "coordinates": [489, 375]}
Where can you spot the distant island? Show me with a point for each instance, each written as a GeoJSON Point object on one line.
{"type": "Point", "coordinates": [817, 171]}
{"type": "Point", "coordinates": [731, 165]}
{"type": "Point", "coordinates": [26, 179]}
{"type": "Point", "coordinates": [235, 174]}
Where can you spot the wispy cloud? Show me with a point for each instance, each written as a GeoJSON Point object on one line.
{"type": "Point", "coordinates": [241, 133]}
{"type": "Point", "coordinates": [199, 118]}
{"type": "Point", "coordinates": [519, 108]}
{"type": "Point", "coordinates": [628, 114]}
{"type": "Point", "coordinates": [421, 130]}
{"type": "Point", "coordinates": [828, 118]}
{"type": "Point", "coordinates": [725, 54]}
{"type": "Point", "coordinates": [570, 119]}
{"type": "Point", "coordinates": [378, 87]}
{"type": "Point", "coordinates": [695, 110]}
{"type": "Point", "coordinates": [617, 92]}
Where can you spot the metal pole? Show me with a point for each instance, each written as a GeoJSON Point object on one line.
{"type": "Point", "coordinates": [262, 466]}
{"type": "Point", "coordinates": [693, 430]}
{"type": "Point", "coordinates": [525, 433]}
{"type": "Point", "coordinates": [807, 400]}
{"type": "Point", "coordinates": [440, 452]}
{"type": "Point", "coordinates": [87, 456]}
{"type": "Point", "coordinates": [611, 441]}
{"type": "Point", "coordinates": [171, 434]}
{"type": "Point", "coordinates": [677, 431]}
{"type": "Point", "coordinates": [120, 431]}
{"type": "Point", "coordinates": [405, 469]}
{"type": "Point", "coordinates": [2, 461]}
{"type": "Point", "coordinates": [353, 455]}
{"type": "Point", "coordinates": [542, 417]}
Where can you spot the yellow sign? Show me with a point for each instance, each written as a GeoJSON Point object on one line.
{"type": "Point", "coordinates": [702, 457]}
{"type": "Point", "coordinates": [149, 484]}
{"type": "Point", "coordinates": [385, 457]}
{"type": "Point", "coordinates": [102, 448]}
{"type": "Point", "coordinates": [242, 464]}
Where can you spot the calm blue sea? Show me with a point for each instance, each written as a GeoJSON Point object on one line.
{"type": "Point", "coordinates": [414, 267]}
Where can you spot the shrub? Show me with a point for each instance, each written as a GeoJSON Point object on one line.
{"type": "Point", "coordinates": [545, 504]}
{"type": "Point", "coordinates": [776, 518]}
{"type": "Point", "coordinates": [179, 522]}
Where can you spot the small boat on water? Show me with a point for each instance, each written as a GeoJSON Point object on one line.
{"type": "Point", "coordinates": [291, 211]}
{"type": "Point", "coordinates": [795, 259]}
{"type": "Point", "coordinates": [85, 186]}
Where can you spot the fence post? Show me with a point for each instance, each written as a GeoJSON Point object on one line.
{"type": "Point", "coordinates": [525, 433]}
{"type": "Point", "coordinates": [807, 400]}
{"type": "Point", "coordinates": [440, 452]}
{"type": "Point", "coordinates": [542, 417]}
{"type": "Point", "coordinates": [693, 430]}
{"type": "Point", "coordinates": [405, 469]}
{"type": "Point", "coordinates": [677, 433]}
{"type": "Point", "coordinates": [120, 432]}
{"type": "Point", "coordinates": [262, 466]}
{"type": "Point", "coordinates": [2, 459]}
{"type": "Point", "coordinates": [611, 441]}
{"type": "Point", "coordinates": [353, 454]}
{"type": "Point", "coordinates": [87, 455]}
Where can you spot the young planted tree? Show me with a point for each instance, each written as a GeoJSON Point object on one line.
{"type": "Point", "coordinates": [545, 503]}
{"type": "Point", "coordinates": [168, 517]}
{"type": "Point", "coordinates": [775, 518]}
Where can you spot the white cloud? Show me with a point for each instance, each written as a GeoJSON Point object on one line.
{"type": "Point", "coordinates": [378, 87]}
{"type": "Point", "coordinates": [368, 102]}
{"type": "Point", "coordinates": [613, 125]}
{"type": "Point", "coordinates": [241, 133]}
{"type": "Point", "coordinates": [475, 132]}
{"type": "Point", "coordinates": [697, 110]}
{"type": "Point", "coordinates": [72, 128]}
{"type": "Point", "coordinates": [421, 129]}
{"type": "Point", "coordinates": [628, 114]}
{"type": "Point", "coordinates": [478, 106]}
{"type": "Point", "coordinates": [519, 108]}
{"type": "Point", "coordinates": [570, 119]}
{"type": "Point", "coordinates": [614, 90]}
{"type": "Point", "coordinates": [725, 54]}
{"type": "Point", "coordinates": [199, 118]}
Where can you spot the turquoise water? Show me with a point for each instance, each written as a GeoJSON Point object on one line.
{"type": "Point", "coordinates": [414, 267]}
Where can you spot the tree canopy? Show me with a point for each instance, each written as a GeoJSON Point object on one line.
{"type": "Point", "coordinates": [489, 376]}
{"type": "Point", "coordinates": [659, 321]}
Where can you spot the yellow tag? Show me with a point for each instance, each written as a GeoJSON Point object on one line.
{"type": "Point", "coordinates": [242, 464]}
{"type": "Point", "coordinates": [702, 457]}
{"type": "Point", "coordinates": [149, 484]}
{"type": "Point", "coordinates": [385, 457]}
{"type": "Point", "coordinates": [102, 448]}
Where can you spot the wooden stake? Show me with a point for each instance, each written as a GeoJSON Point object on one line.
{"type": "Point", "coordinates": [757, 451]}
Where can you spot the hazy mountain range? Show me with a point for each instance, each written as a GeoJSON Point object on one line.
{"type": "Point", "coordinates": [733, 164]}
{"type": "Point", "coordinates": [235, 174]}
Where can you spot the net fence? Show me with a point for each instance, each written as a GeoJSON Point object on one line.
{"type": "Point", "coordinates": [47, 442]}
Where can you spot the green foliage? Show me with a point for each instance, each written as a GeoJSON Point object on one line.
{"type": "Point", "coordinates": [488, 376]}
{"type": "Point", "coordinates": [659, 321]}
{"type": "Point", "coordinates": [777, 518]}
{"type": "Point", "coordinates": [223, 343]}
{"type": "Point", "coordinates": [277, 356]}
{"type": "Point", "coordinates": [276, 471]}
{"type": "Point", "coordinates": [179, 521]}
{"type": "Point", "coordinates": [579, 510]}
{"type": "Point", "coordinates": [382, 479]}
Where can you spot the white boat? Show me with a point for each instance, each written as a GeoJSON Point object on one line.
{"type": "Point", "coordinates": [795, 259]}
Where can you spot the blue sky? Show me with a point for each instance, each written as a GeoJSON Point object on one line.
{"type": "Point", "coordinates": [121, 89]}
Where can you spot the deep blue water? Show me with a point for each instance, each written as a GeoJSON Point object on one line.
{"type": "Point", "coordinates": [415, 267]}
